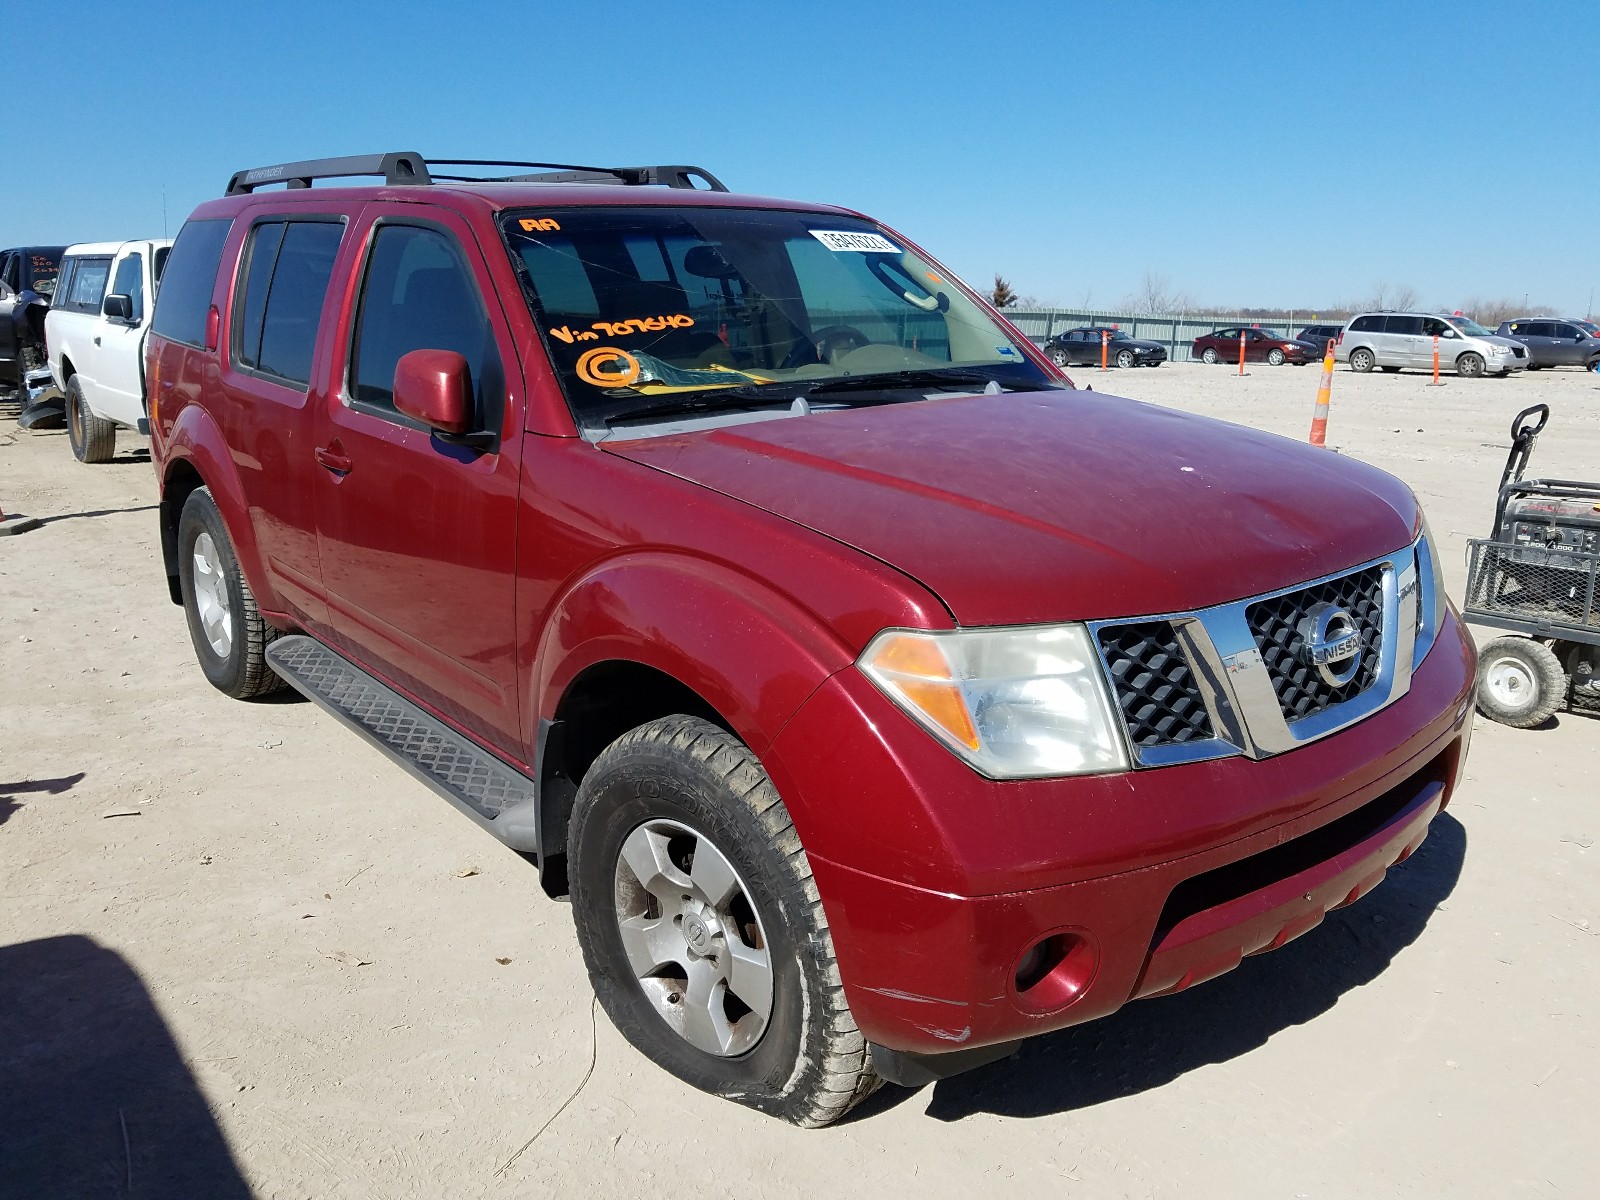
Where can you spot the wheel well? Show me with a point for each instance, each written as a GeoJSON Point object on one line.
{"type": "Point", "coordinates": [182, 479]}
{"type": "Point", "coordinates": [598, 707]}
{"type": "Point", "coordinates": [67, 369]}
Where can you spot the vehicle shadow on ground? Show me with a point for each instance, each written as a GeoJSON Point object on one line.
{"type": "Point", "coordinates": [99, 512]}
{"type": "Point", "coordinates": [1152, 1042]}
{"type": "Point", "coordinates": [53, 787]}
{"type": "Point", "coordinates": [95, 1099]}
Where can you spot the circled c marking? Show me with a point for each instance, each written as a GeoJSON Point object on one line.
{"type": "Point", "coordinates": [606, 366]}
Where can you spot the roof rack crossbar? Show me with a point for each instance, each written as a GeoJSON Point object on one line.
{"type": "Point", "coordinates": [395, 168]}
{"type": "Point", "coordinates": [408, 167]}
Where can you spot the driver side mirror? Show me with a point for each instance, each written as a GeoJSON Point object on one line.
{"type": "Point", "coordinates": [118, 307]}
{"type": "Point", "coordinates": [435, 387]}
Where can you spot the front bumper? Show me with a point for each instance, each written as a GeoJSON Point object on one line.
{"type": "Point", "coordinates": [937, 884]}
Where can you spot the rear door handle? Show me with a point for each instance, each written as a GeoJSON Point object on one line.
{"type": "Point", "coordinates": [339, 464]}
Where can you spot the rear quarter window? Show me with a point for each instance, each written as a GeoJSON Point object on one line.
{"type": "Point", "coordinates": [1366, 324]}
{"type": "Point", "coordinates": [186, 283]}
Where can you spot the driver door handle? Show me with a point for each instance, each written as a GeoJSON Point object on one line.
{"type": "Point", "coordinates": [329, 457]}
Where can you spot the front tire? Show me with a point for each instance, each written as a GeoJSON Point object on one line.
{"type": "Point", "coordinates": [93, 439]}
{"type": "Point", "coordinates": [1520, 682]}
{"type": "Point", "coordinates": [1209, 357]}
{"type": "Point", "coordinates": [1274, 358]}
{"type": "Point", "coordinates": [229, 635]}
{"type": "Point", "coordinates": [1362, 360]}
{"type": "Point", "coordinates": [1469, 365]}
{"type": "Point", "coordinates": [1125, 359]}
{"type": "Point", "coordinates": [1059, 357]}
{"type": "Point", "coordinates": [701, 927]}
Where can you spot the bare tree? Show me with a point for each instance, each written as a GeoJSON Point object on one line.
{"type": "Point", "coordinates": [1490, 311]}
{"type": "Point", "coordinates": [1156, 297]}
{"type": "Point", "coordinates": [1002, 296]}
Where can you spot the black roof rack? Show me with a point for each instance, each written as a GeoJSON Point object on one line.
{"type": "Point", "coordinates": [405, 167]}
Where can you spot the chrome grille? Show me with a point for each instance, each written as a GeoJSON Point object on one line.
{"type": "Point", "coordinates": [1277, 625]}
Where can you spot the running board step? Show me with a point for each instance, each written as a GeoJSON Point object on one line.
{"type": "Point", "coordinates": [502, 800]}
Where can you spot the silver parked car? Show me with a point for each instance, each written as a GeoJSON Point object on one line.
{"type": "Point", "coordinates": [1398, 341]}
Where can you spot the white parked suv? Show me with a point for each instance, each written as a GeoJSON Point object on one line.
{"type": "Point", "coordinates": [1394, 341]}
{"type": "Point", "coordinates": [95, 333]}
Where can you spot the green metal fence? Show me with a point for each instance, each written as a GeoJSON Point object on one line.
{"type": "Point", "coordinates": [1176, 333]}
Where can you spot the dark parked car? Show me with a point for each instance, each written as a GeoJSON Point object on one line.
{"type": "Point", "coordinates": [27, 281]}
{"type": "Point", "coordinates": [1260, 345]}
{"type": "Point", "coordinates": [1554, 341]}
{"type": "Point", "coordinates": [1317, 337]}
{"type": "Point", "coordinates": [1081, 347]}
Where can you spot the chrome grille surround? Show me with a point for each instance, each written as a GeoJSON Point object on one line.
{"type": "Point", "coordinates": [1236, 686]}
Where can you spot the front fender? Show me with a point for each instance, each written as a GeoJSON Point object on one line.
{"type": "Point", "coordinates": [750, 652]}
{"type": "Point", "coordinates": [196, 442]}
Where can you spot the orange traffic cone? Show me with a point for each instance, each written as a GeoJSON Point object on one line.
{"type": "Point", "coordinates": [1319, 418]}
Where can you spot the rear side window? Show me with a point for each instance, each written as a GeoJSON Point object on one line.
{"type": "Point", "coordinates": [87, 286]}
{"type": "Point", "coordinates": [419, 295]}
{"type": "Point", "coordinates": [288, 266]}
{"type": "Point", "coordinates": [129, 282]}
{"type": "Point", "coordinates": [1407, 325]}
{"type": "Point", "coordinates": [187, 282]}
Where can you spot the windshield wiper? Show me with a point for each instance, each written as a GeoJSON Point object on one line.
{"type": "Point", "coordinates": [921, 378]}
{"type": "Point", "coordinates": [741, 396]}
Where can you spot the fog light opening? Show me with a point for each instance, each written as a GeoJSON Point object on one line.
{"type": "Point", "coordinates": [1055, 971]}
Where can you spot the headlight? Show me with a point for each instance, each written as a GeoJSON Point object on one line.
{"type": "Point", "coordinates": [1017, 703]}
{"type": "Point", "coordinates": [1431, 597]}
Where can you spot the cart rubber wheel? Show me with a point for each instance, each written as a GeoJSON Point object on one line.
{"type": "Point", "coordinates": [1520, 682]}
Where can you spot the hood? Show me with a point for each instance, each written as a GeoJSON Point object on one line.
{"type": "Point", "coordinates": [1497, 339]}
{"type": "Point", "coordinates": [1058, 505]}
{"type": "Point", "coordinates": [1137, 343]}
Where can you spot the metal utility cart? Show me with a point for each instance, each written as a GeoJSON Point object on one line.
{"type": "Point", "coordinates": [1536, 575]}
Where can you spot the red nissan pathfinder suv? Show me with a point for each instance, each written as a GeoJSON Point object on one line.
{"type": "Point", "coordinates": [878, 698]}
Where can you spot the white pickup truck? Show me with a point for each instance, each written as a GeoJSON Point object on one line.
{"type": "Point", "coordinates": [95, 333]}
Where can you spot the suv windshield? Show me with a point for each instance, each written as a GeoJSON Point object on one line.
{"type": "Point", "coordinates": [42, 269]}
{"type": "Point", "coordinates": [1471, 328]}
{"type": "Point", "coordinates": [637, 304]}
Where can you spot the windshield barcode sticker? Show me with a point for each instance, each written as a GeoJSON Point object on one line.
{"type": "Point", "coordinates": [866, 243]}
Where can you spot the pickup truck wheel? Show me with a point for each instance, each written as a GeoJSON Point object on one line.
{"type": "Point", "coordinates": [701, 927]}
{"type": "Point", "coordinates": [93, 439]}
{"type": "Point", "coordinates": [230, 638]}
{"type": "Point", "coordinates": [1520, 682]}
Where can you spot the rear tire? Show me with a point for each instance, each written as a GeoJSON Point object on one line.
{"type": "Point", "coordinates": [1520, 682]}
{"type": "Point", "coordinates": [1469, 365]}
{"type": "Point", "coordinates": [93, 439]}
{"type": "Point", "coordinates": [229, 635]}
{"type": "Point", "coordinates": [651, 805]}
{"type": "Point", "coordinates": [1362, 360]}
{"type": "Point", "coordinates": [1209, 357]}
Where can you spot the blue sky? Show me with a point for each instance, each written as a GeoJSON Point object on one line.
{"type": "Point", "coordinates": [1263, 154]}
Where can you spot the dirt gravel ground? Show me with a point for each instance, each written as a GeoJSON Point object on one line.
{"type": "Point", "coordinates": [290, 971]}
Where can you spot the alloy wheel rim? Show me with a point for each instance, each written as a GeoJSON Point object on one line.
{"type": "Point", "coordinates": [693, 938]}
{"type": "Point", "coordinates": [1510, 682]}
{"type": "Point", "coordinates": [211, 596]}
